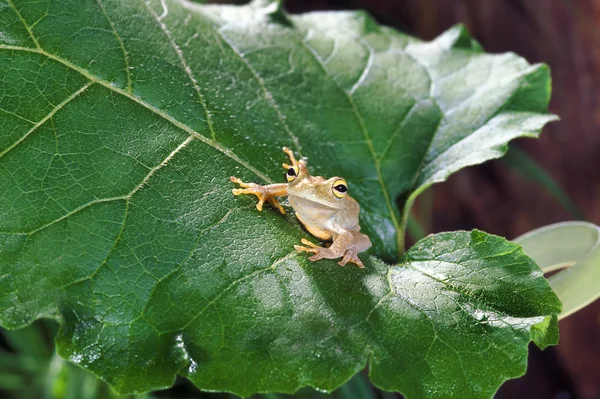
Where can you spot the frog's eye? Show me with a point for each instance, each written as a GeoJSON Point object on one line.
{"type": "Point", "coordinates": [340, 188]}
{"type": "Point", "coordinates": [292, 173]}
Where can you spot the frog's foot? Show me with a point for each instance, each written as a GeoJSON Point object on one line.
{"type": "Point", "coordinates": [321, 252]}
{"type": "Point", "coordinates": [290, 154]}
{"type": "Point", "coordinates": [352, 257]}
{"type": "Point", "coordinates": [260, 191]}
{"type": "Point", "coordinates": [293, 159]}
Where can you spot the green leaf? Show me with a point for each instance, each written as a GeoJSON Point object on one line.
{"type": "Point", "coordinates": [573, 247]}
{"type": "Point", "coordinates": [460, 301]}
{"type": "Point", "coordinates": [545, 333]}
{"type": "Point", "coordinates": [121, 124]}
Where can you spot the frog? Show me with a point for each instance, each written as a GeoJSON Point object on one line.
{"type": "Point", "coordinates": [322, 206]}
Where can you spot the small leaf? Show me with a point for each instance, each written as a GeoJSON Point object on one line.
{"type": "Point", "coordinates": [545, 333]}
{"type": "Point", "coordinates": [122, 122]}
{"type": "Point", "coordinates": [465, 304]}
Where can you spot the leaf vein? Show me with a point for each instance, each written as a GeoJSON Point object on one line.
{"type": "Point", "coordinates": [268, 95]}
{"type": "Point", "coordinates": [121, 44]}
{"type": "Point", "coordinates": [45, 118]}
{"type": "Point", "coordinates": [190, 254]}
{"type": "Point", "coordinates": [186, 68]}
{"type": "Point", "coordinates": [77, 210]}
{"type": "Point", "coordinates": [217, 146]}
{"type": "Point", "coordinates": [366, 69]}
{"type": "Point", "coordinates": [110, 251]}
{"type": "Point", "coordinates": [397, 131]}
{"type": "Point", "coordinates": [236, 282]}
{"type": "Point", "coordinates": [126, 197]}
{"type": "Point", "coordinates": [16, 115]}
{"type": "Point", "coordinates": [27, 27]}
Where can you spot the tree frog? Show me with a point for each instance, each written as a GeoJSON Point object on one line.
{"type": "Point", "coordinates": [322, 205]}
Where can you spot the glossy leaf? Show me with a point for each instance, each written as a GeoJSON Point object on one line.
{"type": "Point", "coordinates": [121, 123]}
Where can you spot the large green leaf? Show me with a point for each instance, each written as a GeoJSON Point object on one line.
{"type": "Point", "coordinates": [121, 122]}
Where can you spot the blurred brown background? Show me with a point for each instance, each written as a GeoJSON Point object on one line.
{"type": "Point", "coordinates": [493, 197]}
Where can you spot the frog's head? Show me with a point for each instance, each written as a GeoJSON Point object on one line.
{"type": "Point", "coordinates": [329, 192]}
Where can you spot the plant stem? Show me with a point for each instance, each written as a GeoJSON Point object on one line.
{"type": "Point", "coordinates": [401, 234]}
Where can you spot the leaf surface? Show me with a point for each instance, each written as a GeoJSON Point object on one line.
{"type": "Point", "coordinates": [121, 123]}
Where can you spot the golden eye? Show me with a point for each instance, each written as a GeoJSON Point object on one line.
{"type": "Point", "coordinates": [292, 173]}
{"type": "Point", "coordinates": [340, 188]}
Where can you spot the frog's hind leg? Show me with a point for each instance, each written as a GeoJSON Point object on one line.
{"type": "Point", "coordinates": [290, 154]}
{"type": "Point", "coordinates": [360, 243]}
{"type": "Point", "coordinates": [293, 159]}
{"type": "Point", "coordinates": [337, 249]}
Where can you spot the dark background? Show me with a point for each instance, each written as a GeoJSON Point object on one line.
{"type": "Point", "coordinates": [493, 197]}
{"type": "Point", "coordinates": [503, 197]}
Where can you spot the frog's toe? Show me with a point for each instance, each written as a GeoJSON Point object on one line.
{"type": "Point", "coordinates": [238, 181]}
{"type": "Point", "coordinates": [310, 244]}
{"type": "Point", "coordinates": [319, 252]}
{"type": "Point", "coordinates": [317, 256]}
{"type": "Point", "coordinates": [300, 248]}
{"type": "Point", "coordinates": [352, 257]}
{"type": "Point", "coordinates": [276, 204]}
{"type": "Point", "coordinates": [259, 205]}
{"type": "Point", "coordinates": [243, 184]}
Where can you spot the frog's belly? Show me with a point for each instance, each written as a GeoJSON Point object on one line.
{"type": "Point", "coordinates": [314, 217]}
{"type": "Point", "coordinates": [314, 229]}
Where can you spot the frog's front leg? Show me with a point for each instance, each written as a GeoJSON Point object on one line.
{"type": "Point", "coordinates": [341, 247]}
{"type": "Point", "coordinates": [264, 193]}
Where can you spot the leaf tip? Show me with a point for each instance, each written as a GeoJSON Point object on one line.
{"type": "Point", "coordinates": [273, 9]}
{"type": "Point", "coordinates": [272, 5]}
{"type": "Point", "coordinates": [478, 236]}
{"type": "Point", "coordinates": [545, 333]}
{"type": "Point", "coordinates": [367, 23]}
{"type": "Point", "coordinates": [458, 37]}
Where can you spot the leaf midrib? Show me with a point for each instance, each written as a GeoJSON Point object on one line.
{"type": "Point", "coordinates": [363, 128]}
{"type": "Point", "coordinates": [93, 79]}
{"type": "Point", "coordinates": [217, 146]}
